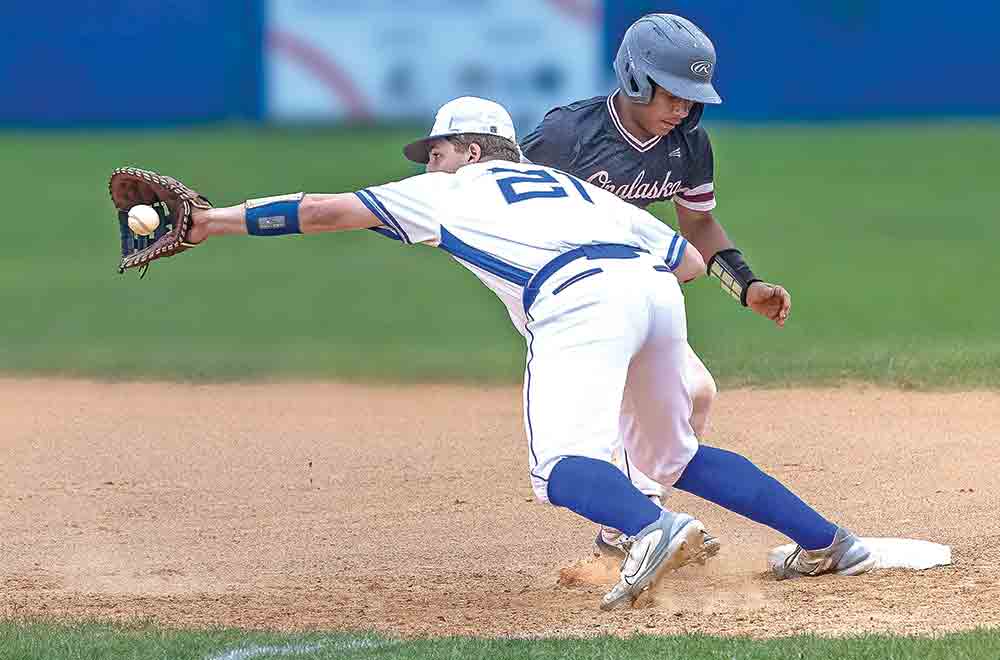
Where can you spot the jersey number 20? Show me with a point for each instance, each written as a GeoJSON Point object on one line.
{"type": "Point", "coordinates": [534, 184]}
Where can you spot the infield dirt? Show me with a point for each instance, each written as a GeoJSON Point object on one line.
{"type": "Point", "coordinates": [407, 510]}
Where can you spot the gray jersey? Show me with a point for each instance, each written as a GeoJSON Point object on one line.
{"type": "Point", "coordinates": [588, 140]}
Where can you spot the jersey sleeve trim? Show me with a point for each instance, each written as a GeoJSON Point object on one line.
{"type": "Point", "coordinates": [695, 206]}
{"type": "Point", "coordinates": [678, 255]}
{"type": "Point", "coordinates": [703, 189]}
{"type": "Point", "coordinates": [378, 209]}
{"type": "Point", "coordinates": [668, 257]}
{"type": "Point", "coordinates": [699, 198]}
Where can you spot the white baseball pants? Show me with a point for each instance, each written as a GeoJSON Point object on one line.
{"type": "Point", "coordinates": [607, 349]}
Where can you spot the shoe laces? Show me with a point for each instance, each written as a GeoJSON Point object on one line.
{"type": "Point", "coordinates": [790, 559]}
{"type": "Point", "coordinates": [627, 547]}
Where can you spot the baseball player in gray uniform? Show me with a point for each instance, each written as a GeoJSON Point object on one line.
{"type": "Point", "coordinates": [598, 287]}
{"type": "Point", "coordinates": [644, 142]}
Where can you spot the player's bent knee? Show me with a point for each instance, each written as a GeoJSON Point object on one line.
{"type": "Point", "coordinates": [704, 391]}
{"type": "Point", "coordinates": [666, 469]}
{"type": "Point", "coordinates": [702, 397]}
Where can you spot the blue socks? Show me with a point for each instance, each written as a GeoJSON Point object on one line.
{"type": "Point", "coordinates": [734, 483]}
{"type": "Point", "coordinates": [600, 492]}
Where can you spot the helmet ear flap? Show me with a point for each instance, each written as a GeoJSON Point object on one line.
{"type": "Point", "coordinates": [632, 80]}
{"type": "Point", "coordinates": [633, 84]}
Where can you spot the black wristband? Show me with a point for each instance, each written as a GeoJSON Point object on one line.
{"type": "Point", "coordinates": [733, 272]}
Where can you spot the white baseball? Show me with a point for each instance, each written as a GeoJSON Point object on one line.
{"type": "Point", "coordinates": [143, 219]}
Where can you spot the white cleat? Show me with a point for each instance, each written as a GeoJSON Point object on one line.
{"type": "Point", "coordinates": [612, 544]}
{"type": "Point", "coordinates": [847, 555]}
{"type": "Point", "coordinates": [672, 541]}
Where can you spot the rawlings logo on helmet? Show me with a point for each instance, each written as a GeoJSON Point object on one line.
{"type": "Point", "coordinates": [701, 68]}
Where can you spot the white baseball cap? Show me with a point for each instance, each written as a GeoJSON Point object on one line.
{"type": "Point", "coordinates": [467, 114]}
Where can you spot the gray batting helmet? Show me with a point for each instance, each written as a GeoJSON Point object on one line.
{"type": "Point", "coordinates": [671, 51]}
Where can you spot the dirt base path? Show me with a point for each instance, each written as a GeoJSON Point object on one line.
{"type": "Point", "coordinates": [407, 510]}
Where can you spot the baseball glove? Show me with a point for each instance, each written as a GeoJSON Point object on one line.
{"type": "Point", "coordinates": [174, 203]}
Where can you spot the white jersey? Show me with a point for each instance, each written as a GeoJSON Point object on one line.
{"type": "Point", "coordinates": [504, 221]}
{"type": "Point", "coordinates": [604, 366]}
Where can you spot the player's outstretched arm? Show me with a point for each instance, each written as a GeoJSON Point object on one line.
{"type": "Point", "coordinates": [159, 216]}
{"type": "Point", "coordinates": [315, 212]}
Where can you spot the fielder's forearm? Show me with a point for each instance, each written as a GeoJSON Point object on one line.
{"type": "Point", "coordinates": [317, 212]}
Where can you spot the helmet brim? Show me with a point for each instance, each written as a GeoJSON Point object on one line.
{"type": "Point", "coordinates": [699, 92]}
{"type": "Point", "coordinates": [419, 151]}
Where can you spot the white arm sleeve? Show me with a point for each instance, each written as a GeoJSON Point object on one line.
{"type": "Point", "coordinates": [411, 210]}
{"type": "Point", "coordinates": [658, 238]}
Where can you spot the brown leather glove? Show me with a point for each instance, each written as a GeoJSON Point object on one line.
{"type": "Point", "coordinates": [173, 202]}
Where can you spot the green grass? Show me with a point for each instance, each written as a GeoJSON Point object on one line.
{"type": "Point", "coordinates": [37, 641]}
{"type": "Point", "coordinates": [884, 233]}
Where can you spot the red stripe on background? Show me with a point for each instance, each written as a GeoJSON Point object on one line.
{"type": "Point", "coordinates": [704, 197]}
{"type": "Point", "coordinates": [323, 68]}
{"type": "Point", "coordinates": [582, 10]}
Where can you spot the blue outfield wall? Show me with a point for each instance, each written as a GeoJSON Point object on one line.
{"type": "Point", "coordinates": [154, 62]}
{"type": "Point", "coordinates": [828, 59]}
{"type": "Point", "coordinates": [133, 62]}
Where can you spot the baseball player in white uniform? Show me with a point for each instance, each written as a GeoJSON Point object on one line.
{"type": "Point", "coordinates": [595, 282]}
{"type": "Point", "coordinates": [466, 112]}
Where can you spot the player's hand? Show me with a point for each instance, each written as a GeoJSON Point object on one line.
{"type": "Point", "coordinates": [771, 301]}
{"type": "Point", "coordinates": [199, 226]}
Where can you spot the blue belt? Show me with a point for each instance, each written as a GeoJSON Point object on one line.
{"type": "Point", "coordinates": [598, 251]}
